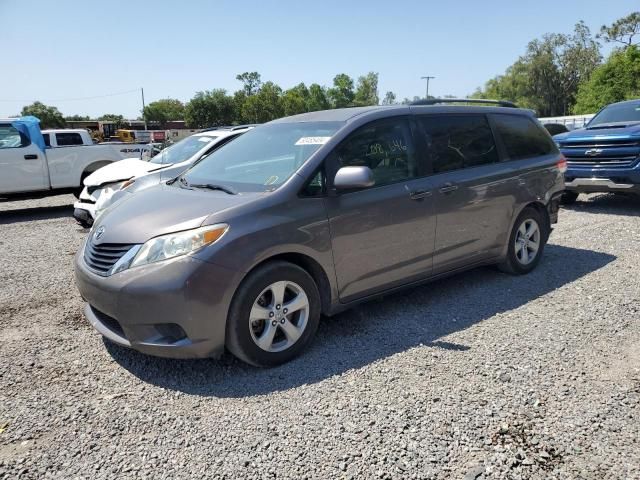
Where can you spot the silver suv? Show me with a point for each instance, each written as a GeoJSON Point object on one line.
{"type": "Point", "coordinates": [311, 214]}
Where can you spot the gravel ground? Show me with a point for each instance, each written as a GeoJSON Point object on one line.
{"type": "Point", "coordinates": [479, 376]}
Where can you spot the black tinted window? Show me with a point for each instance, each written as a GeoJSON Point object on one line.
{"type": "Point", "coordinates": [65, 139]}
{"type": "Point", "coordinates": [385, 147]}
{"type": "Point", "coordinates": [522, 137]}
{"type": "Point", "coordinates": [47, 140]}
{"type": "Point", "coordinates": [458, 141]}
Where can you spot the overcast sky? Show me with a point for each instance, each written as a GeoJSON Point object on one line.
{"type": "Point", "coordinates": [62, 51]}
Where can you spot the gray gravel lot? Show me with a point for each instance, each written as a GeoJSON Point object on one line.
{"type": "Point", "coordinates": [482, 375]}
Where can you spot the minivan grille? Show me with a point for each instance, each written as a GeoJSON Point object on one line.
{"type": "Point", "coordinates": [606, 153]}
{"type": "Point", "coordinates": [100, 258]}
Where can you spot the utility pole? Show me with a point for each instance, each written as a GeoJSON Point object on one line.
{"type": "Point", "coordinates": [427, 78]}
{"type": "Point", "coordinates": [144, 117]}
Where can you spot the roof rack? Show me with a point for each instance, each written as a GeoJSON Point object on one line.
{"type": "Point", "coordinates": [436, 101]}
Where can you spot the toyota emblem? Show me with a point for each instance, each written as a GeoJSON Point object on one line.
{"type": "Point", "coordinates": [99, 233]}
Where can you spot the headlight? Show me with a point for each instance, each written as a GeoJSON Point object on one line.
{"type": "Point", "coordinates": [179, 243]}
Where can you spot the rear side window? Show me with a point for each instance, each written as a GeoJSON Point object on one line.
{"type": "Point", "coordinates": [458, 141]}
{"type": "Point", "coordinates": [386, 147]}
{"type": "Point", "coordinates": [67, 139]}
{"type": "Point", "coordinates": [522, 137]}
{"type": "Point", "coordinates": [47, 140]}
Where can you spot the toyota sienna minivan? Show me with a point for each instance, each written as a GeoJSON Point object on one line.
{"type": "Point", "coordinates": [311, 214]}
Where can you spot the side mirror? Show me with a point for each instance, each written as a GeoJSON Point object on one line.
{"type": "Point", "coordinates": [353, 177]}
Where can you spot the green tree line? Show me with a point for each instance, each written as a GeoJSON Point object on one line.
{"type": "Point", "coordinates": [257, 101]}
{"type": "Point", "coordinates": [562, 74]}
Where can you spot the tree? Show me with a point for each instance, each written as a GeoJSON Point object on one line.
{"type": "Point", "coordinates": [547, 77]}
{"type": "Point", "coordinates": [389, 98]}
{"type": "Point", "coordinates": [318, 99]}
{"type": "Point", "coordinates": [342, 94]}
{"type": "Point", "coordinates": [622, 30]}
{"type": "Point", "coordinates": [616, 80]}
{"type": "Point", "coordinates": [76, 118]}
{"type": "Point", "coordinates": [265, 105]}
{"type": "Point", "coordinates": [295, 100]}
{"type": "Point", "coordinates": [112, 117]}
{"type": "Point", "coordinates": [210, 109]}
{"type": "Point", "coordinates": [49, 116]}
{"type": "Point", "coordinates": [367, 90]}
{"type": "Point", "coordinates": [251, 82]}
{"type": "Point", "coordinates": [164, 110]}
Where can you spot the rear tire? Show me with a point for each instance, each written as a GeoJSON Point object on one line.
{"type": "Point", "coordinates": [569, 198]}
{"type": "Point", "coordinates": [260, 329]}
{"type": "Point", "coordinates": [78, 191]}
{"type": "Point", "coordinates": [526, 243]}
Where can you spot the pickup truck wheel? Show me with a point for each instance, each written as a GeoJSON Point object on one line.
{"type": "Point", "coordinates": [274, 315]}
{"type": "Point", "coordinates": [78, 191]}
{"type": "Point", "coordinates": [569, 198]}
{"type": "Point", "coordinates": [526, 243]}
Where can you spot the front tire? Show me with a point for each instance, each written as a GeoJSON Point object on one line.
{"type": "Point", "coordinates": [274, 315]}
{"type": "Point", "coordinates": [526, 243]}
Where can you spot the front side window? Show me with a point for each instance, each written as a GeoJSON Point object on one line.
{"type": "Point", "coordinates": [522, 137]}
{"type": "Point", "coordinates": [183, 150]}
{"type": "Point", "coordinates": [386, 147]}
{"type": "Point", "coordinates": [68, 139]}
{"type": "Point", "coordinates": [458, 141]}
{"type": "Point", "coordinates": [12, 138]}
{"type": "Point", "coordinates": [263, 158]}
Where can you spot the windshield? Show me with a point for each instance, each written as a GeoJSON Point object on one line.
{"type": "Point", "coordinates": [183, 150]}
{"type": "Point", "coordinates": [626, 112]}
{"type": "Point", "coordinates": [264, 158]}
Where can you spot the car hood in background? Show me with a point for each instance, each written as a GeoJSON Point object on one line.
{"type": "Point", "coordinates": [121, 170]}
{"type": "Point", "coordinates": [163, 209]}
{"type": "Point", "coordinates": [632, 130]}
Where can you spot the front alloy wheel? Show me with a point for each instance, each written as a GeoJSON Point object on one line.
{"type": "Point", "coordinates": [274, 314]}
{"type": "Point", "coordinates": [279, 316]}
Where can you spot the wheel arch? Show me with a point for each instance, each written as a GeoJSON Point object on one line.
{"type": "Point", "coordinates": [92, 167]}
{"type": "Point", "coordinates": [311, 266]}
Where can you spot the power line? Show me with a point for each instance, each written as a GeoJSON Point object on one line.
{"type": "Point", "coordinates": [77, 98]}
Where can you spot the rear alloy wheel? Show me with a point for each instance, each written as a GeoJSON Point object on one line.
{"type": "Point", "coordinates": [274, 314]}
{"type": "Point", "coordinates": [526, 243]}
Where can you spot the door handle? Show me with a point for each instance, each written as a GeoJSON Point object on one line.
{"type": "Point", "coordinates": [31, 156]}
{"type": "Point", "coordinates": [419, 194]}
{"type": "Point", "coordinates": [522, 181]}
{"type": "Point", "coordinates": [448, 188]}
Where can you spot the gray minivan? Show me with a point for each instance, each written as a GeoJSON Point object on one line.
{"type": "Point", "coordinates": [311, 214]}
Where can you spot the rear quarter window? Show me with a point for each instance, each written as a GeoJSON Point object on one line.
{"type": "Point", "coordinates": [522, 137]}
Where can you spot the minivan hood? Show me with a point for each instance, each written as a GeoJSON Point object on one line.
{"type": "Point", "coordinates": [121, 170]}
{"type": "Point", "coordinates": [163, 209]}
{"type": "Point", "coordinates": [622, 132]}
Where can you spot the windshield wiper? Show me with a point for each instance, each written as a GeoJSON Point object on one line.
{"type": "Point", "coordinates": [211, 186]}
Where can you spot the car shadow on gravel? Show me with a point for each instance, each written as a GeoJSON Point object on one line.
{"type": "Point", "coordinates": [608, 204]}
{"type": "Point", "coordinates": [420, 316]}
{"type": "Point", "coordinates": [20, 215]}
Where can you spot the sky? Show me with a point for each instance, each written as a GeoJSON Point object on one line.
{"type": "Point", "coordinates": [61, 52]}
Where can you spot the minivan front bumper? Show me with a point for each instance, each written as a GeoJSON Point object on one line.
{"type": "Point", "coordinates": [176, 308]}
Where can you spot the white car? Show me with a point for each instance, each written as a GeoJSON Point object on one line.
{"type": "Point", "coordinates": [100, 186]}
{"type": "Point", "coordinates": [36, 164]}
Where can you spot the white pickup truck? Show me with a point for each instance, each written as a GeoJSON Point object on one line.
{"type": "Point", "coordinates": [36, 163]}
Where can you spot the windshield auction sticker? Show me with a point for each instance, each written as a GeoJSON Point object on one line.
{"type": "Point", "coordinates": [312, 140]}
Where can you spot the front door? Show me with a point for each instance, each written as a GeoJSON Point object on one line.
{"type": "Point", "coordinates": [22, 164]}
{"type": "Point", "coordinates": [473, 190]}
{"type": "Point", "coordinates": [382, 236]}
